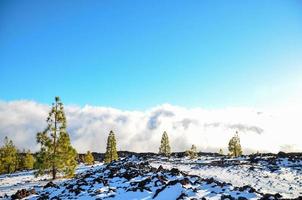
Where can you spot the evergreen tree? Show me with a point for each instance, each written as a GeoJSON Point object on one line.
{"type": "Point", "coordinates": [165, 148]}
{"type": "Point", "coordinates": [28, 161]}
{"type": "Point", "coordinates": [56, 154]}
{"type": "Point", "coordinates": [111, 153]}
{"type": "Point", "coordinates": [220, 152]}
{"type": "Point", "coordinates": [20, 160]}
{"type": "Point", "coordinates": [234, 146]}
{"type": "Point", "coordinates": [192, 153]}
{"type": "Point", "coordinates": [88, 159]}
{"type": "Point", "coordinates": [8, 157]}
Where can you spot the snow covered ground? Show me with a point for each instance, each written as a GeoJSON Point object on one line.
{"type": "Point", "coordinates": [11, 183]}
{"type": "Point", "coordinates": [207, 177]}
{"type": "Point", "coordinates": [283, 176]}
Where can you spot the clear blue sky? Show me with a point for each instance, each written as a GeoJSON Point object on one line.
{"type": "Point", "coordinates": [138, 54]}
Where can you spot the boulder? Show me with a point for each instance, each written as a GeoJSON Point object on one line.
{"type": "Point", "coordinates": [20, 194]}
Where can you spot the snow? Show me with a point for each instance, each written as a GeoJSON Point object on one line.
{"type": "Point", "coordinates": [287, 180]}
{"type": "Point", "coordinates": [11, 183]}
{"type": "Point", "coordinates": [212, 177]}
{"type": "Point", "coordinates": [172, 192]}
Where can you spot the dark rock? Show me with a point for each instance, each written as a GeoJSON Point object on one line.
{"type": "Point", "coordinates": [271, 196]}
{"type": "Point", "coordinates": [98, 179]}
{"type": "Point", "coordinates": [228, 197]}
{"type": "Point", "coordinates": [282, 154]}
{"type": "Point", "coordinates": [247, 188]}
{"type": "Point", "coordinates": [278, 196]}
{"type": "Point", "coordinates": [82, 182]}
{"type": "Point", "coordinates": [162, 179]}
{"type": "Point", "coordinates": [113, 172]}
{"type": "Point", "coordinates": [160, 168]}
{"type": "Point", "coordinates": [112, 189]}
{"type": "Point", "coordinates": [140, 185]}
{"type": "Point", "coordinates": [175, 171]}
{"type": "Point", "coordinates": [50, 184]}
{"type": "Point", "coordinates": [77, 190]}
{"type": "Point", "coordinates": [55, 198]}
{"type": "Point", "coordinates": [184, 181]}
{"type": "Point", "coordinates": [144, 182]}
{"type": "Point", "coordinates": [181, 196]}
{"type": "Point", "coordinates": [20, 194]}
{"type": "Point", "coordinates": [164, 187]}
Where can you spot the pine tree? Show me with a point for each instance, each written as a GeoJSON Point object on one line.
{"type": "Point", "coordinates": [20, 160]}
{"type": "Point", "coordinates": [56, 154]}
{"type": "Point", "coordinates": [220, 152]}
{"type": "Point", "coordinates": [165, 148]}
{"type": "Point", "coordinates": [8, 157]}
{"type": "Point", "coordinates": [111, 153]}
{"type": "Point", "coordinates": [28, 161]}
{"type": "Point", "coordinates": [88, 159]}
{"type": "Point", "coordinates": [192, 153]}
{"type": "Point", "coordinates": [234, 146]}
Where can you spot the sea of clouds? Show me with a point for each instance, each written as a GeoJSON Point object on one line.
{"type": "Point", "coordinates": [266, 130]}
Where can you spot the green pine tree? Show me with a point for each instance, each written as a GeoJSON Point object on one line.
{"type": "Point", "coordinates": [220, 152]}
{"type": "Point", "coordinates": [20, 160]}
{"type": "Point", "coordinates": [56, 154]}
{"type": "Point", "coordinates": [165, 148]}
{"type": "Point", "coordinates": [192, 153]}
{"type": "Point", "coordinates": [88, 159]}
{"type": "Point", "coordinates": [234, 146]}
{"type": "Point", "coordinates": [111, 153]}
{"type": "Point", "coordinates": [8, 157]}
{"type": "Point", "coordinates": [28, 161]}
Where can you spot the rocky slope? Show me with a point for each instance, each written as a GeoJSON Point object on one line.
{"type": "Point", "coordinates": [136, 178]}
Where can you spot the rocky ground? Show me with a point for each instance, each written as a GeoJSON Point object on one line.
{"type": "Point", "coordinates": [267, 173]}
{"type": "Point", "coordinates": [153, 177]}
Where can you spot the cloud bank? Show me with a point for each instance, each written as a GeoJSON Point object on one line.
{"type": "Point", "coordinates": [269, 130]}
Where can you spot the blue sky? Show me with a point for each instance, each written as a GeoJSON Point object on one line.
{"type": "Point", "coordinates": [137, 54]}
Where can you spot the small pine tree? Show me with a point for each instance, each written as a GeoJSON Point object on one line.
{"type": "Point", "coordinates": [56, 154]}
{"type": "Point", "coordinates": [8, 157]}
{"type": "Point", "coordinates": [88, 159]}
{"type": "Point", "coordinates": [28, 161]}
{"type": "Point", "coordinates": [165, 148]}
{"type": "Point", "coordinates": [234, 146]}
{"type": "Point", "coordinates": [192, 153]}
{"type": "Point", "coordinates": [20, 160]}
{"type": "Point", "coordinates": [111, 153]}
{"type": "Point", "coordinates": [220, 152]}
{"type": "Point", "coordinates": [20, 165]}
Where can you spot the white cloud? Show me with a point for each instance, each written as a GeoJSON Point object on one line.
{"type": "Point", "coordinates": [260, 130]}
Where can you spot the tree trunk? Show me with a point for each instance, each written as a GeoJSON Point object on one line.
{"type": "Point", "coordinates": [54, 173]}
{"type": "Point", "coordinates": [54, 170]}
